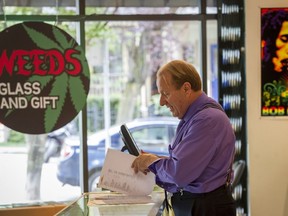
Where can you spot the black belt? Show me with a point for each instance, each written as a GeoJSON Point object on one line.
{"type": "Point", "coordinates": [186, 194]}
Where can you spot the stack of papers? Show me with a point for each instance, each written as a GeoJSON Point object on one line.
{"type": "Point", "coordinates": [117, 199]}
{"type": "Point", "coordinates": [117, 175]}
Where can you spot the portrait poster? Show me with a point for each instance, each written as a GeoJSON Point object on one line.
{"type": "Point", "coordinates": [274, 62]}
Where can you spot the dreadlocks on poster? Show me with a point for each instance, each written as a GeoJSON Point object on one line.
{"type": "Point", "coordinates": [274, 57]}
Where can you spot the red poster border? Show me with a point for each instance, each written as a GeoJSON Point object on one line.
{"type": "Point", "coordinates": [274, 65]}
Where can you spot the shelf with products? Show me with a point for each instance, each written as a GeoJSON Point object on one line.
{"type": "Point", "coordinates": [232, 87]}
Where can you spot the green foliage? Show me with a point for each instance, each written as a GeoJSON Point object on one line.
{"type": "Point", "coordinates": [97, 29]}
{"type": "Point", "coordinates": [95, 107]}
{"type": "Point", "coordinates": [23, 10]}
{"type": "Point", "coordinates": [16, 137]}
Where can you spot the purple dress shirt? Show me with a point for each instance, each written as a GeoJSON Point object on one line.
{"type": "Point", "coordinates": [202, 151]}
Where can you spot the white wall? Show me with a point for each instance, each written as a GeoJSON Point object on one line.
{"type": "Point", "coordinates": [267, 137]}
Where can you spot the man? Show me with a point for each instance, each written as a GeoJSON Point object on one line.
{"type": "Point", "coordinates": [274, 36]}
{"type": "Point", "coordinates": [198, 171]}
{"type": "Point", "coordinates": [274, 40]}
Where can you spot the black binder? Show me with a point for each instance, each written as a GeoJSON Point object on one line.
{"type": "Point", "coordinates": [129, 141]}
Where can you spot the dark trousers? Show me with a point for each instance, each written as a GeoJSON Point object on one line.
{"type": "Point", "coordinates": [216, 203]}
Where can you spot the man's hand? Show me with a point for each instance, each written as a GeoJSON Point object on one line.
{"type": "Point", "coordinates": [141, 163]}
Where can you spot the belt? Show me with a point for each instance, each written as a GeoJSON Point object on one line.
{"type": "Point", "coordinates": [188, 194]}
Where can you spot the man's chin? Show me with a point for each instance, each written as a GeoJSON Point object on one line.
{"type": "Point", "coordinates": [284, 63]}
{"type": "Point", "coordinates": [175, 115]}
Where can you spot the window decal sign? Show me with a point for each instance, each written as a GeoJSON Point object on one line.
{"type": "Point", "coordinates": [44, 78]}
{"type": "Point", "coordinates": [274, 61]}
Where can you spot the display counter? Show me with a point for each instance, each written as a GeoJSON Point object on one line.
{"type": "Point", "coordinates": [43, 210]}
{"type": "Point", "coordinates": [111, 203]}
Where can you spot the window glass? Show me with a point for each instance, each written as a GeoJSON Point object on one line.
{"type": "Point", "coordinates": [143, 10]}
{"type": "Point", "coordinates": [212, 59]}
{"type": "Point", "coordinates": [26, 177]}
{"type": "Point", "coordinates": [29, 162]}
{"type": "Point", "coordinates": [143, 7]}
{"type": "Point", "coordinates": [211, 6]}
{"type": "Point", "coordinates": [123, 58]}
{"type": "Point", "coordinates": [39, 9]}
{"type": "Point", "coordinates": [152, 138]}
{"type": "Point", "coordinates": [67, 7]}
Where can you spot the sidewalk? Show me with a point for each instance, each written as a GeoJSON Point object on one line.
{"type": "Point", "coordinates": [13, 150]}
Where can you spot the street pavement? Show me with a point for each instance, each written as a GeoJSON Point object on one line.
{"type": "Point", "coordinates": [13, 165]}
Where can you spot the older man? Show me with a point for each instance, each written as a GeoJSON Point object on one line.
{"type": "Point", "coordinates": [198, 171]}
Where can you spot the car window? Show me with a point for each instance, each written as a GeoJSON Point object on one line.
{"type": "Point", "coordinates": [154, 139]}
{"type": "Point", "coordinates": [172, 132]}
{"type": "Point", "coordinates": [115, 141]}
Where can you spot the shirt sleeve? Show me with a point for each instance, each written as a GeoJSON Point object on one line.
{"type": "Point", "coordinates": [191, 155]}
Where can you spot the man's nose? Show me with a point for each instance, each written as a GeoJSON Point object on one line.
{"type": "Point", "coordinates": [162, 101]}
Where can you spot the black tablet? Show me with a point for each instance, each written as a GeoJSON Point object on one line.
{"type": "Point", "coordinates": [129, 141]}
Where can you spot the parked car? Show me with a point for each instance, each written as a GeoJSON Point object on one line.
{"type": "Point", "coordinates": [151, 134]}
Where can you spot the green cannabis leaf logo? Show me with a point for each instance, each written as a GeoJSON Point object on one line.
{"type": "Point", "coordinates": [64, 86]}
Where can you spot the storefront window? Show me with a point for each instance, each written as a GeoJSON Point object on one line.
{"type": "Point", "coordinates": [123, 57]}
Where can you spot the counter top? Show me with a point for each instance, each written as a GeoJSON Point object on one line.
{"type": "Point", "coordinates": [111, 203]}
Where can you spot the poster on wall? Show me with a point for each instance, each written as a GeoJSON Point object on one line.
{"type": "Point", "coordinates": [44, 78]}
{"type": "Point", "coordinates": [274, 62]}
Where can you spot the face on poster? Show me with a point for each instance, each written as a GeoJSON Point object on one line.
{"type": "Point", "coordinates": [274, 61]}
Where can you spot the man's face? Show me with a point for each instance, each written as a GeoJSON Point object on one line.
{"type": "Point", "coordinates": [281, 58]}
{"type": "Point", "coordinates": [172, 98]}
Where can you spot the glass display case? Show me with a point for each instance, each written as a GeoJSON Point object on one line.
{"type": "Point", "coordinates": [112, 203]}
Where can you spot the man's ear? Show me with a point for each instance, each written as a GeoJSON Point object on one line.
{"type": "Point", "coordinates": [187, 86]}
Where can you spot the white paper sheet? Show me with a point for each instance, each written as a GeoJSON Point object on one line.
{"type": "Point", "coordinates": [117, 199]}
{"type": "Point", "coordinates": [117, 175]}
